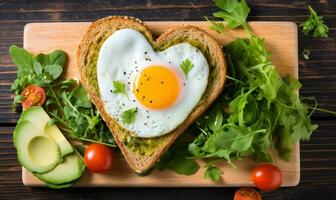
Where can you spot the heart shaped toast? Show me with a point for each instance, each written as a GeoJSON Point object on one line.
{"type": "Point", "coordinates": [141, 147]}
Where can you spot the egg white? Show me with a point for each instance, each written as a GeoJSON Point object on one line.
{"type": "Point", "coordinates": [122, 57]}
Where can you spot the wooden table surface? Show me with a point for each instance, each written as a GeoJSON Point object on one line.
{"type": "Point", "coordinates": [318, 75]}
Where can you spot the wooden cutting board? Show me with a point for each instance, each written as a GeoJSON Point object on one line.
{"type": "Point", "coordinates": [281, 40]}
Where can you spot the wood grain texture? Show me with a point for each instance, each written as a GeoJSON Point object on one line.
{"type": "Point", "coordinates": [318, 74]}
{"type": "Point", "coordinates": [317, 176]}
{"type": "Point", "coordinates": [281, 39]}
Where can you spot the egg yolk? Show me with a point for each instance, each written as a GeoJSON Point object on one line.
{"type": "Point", "coordinates": [157, 87]}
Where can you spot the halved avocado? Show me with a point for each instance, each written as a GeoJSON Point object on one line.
{"type": "Point", "coordinates": [36, 151]}
{"type": "Point", "coordinates": [71, 169]}
{"type": "Point", "coordinates": [37, 116]}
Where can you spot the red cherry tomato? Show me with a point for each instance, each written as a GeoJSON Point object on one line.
{"type": "Point", "coordinates": [266, 177]}
{"type": "Point", "coordinates": [98, 158]}
{"type": "Point", "coordinates": [33, 96]}
{"type": "Point", "coordinates": [247, 194]}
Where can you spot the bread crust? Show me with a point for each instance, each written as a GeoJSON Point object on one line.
{"type": "Point", "coordinates": [194, 35]}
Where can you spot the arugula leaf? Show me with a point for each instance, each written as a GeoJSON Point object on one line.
{"type": "Point", "coordinates": [70, 107]}
{"type": "Point", "coordinates": [82, 98]}
{"type": "Point", "coordinates": [260, 103]}
{"type": "Point", "coordinates": [51, 122]}
{"type": "Point", "coordinates": [262, 108]}
{"type": "Point", "coordinates": [119, 87]}
{"type": "Point", "coordinates": [215, 120]}
{"type": "Point", "coordinates": [184, 166]}
{"type": "Point", "coordinates": [305, 54]}
{"type": "Point", "coordinates": [178, 159]}
{"type": "Point", "coordinates": [67, 101]}
{"type": "Point", "coordinates": [186, 66]}
{"type": "Point", "coordinates": [54, 70]}
{"type": "Point", "coordinates": [80, 148]}
{"type": "Point", "coordinates": [128, 116]}
{"type": "Point", "coordinates": [216, 26]}
{"type": "Point", "coordinates": [212, 172]}
{"type": "Point", "coordinates": [234, 12]}
{"type": "Point", "coordinates": [22, 59]}
{"type": "Point", "coordinates": [57, 57]}
{"type": "Point", "coordinates": [37, 67]}
{"type": "Point", "coordinates": [314, 25]}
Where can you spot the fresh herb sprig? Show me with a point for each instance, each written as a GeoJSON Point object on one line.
{"type": "Point", "coordinates": [119, 87]}
{"type": "Point", "coordinates": [314, 25]}
{"type": "Point", "coordinates": [186, 66]}
{"type": "Point", "coordinates": [128, 116]}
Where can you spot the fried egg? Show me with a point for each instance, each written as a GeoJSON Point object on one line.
{"type": "Point", "coordinates": [154, 82]}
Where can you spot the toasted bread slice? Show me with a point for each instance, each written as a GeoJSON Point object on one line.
{"type": "Point", "coordinates": [141, 153]}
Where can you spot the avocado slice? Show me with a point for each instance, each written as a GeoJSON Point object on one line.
{"type": "Point", "coordinates": [55, 133]}
{"type": "Point", "coordinates": [37, 116]}
{"type": "Point", "coordinates": [36, 151]}
{"type": "Point", "coordinates": [71, 169]}
{"type": "Point", "coordinates": [63, 185]}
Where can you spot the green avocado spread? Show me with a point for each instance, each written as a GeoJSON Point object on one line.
{"type": "Point", "coordinates": [142, 146]}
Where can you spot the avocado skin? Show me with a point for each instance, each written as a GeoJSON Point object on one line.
{"type": "Point", "coordinates": [61, 186]}
{"type": "Point", "coordinates": [73, 166]}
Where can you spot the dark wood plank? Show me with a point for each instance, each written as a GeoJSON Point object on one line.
{"type": "Point", "coordinates": [318, 160]}
{"type": "Point", "coordinates": [317, 74]}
